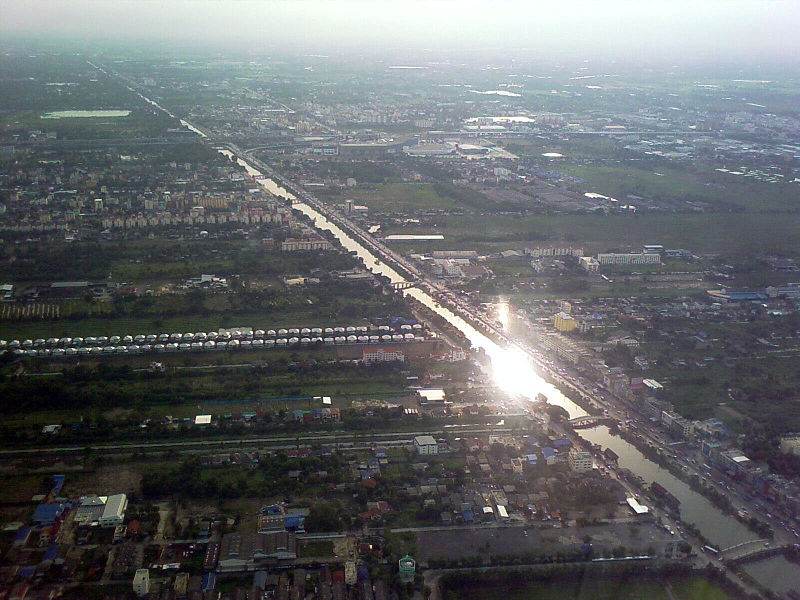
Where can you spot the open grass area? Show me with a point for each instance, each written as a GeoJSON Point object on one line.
{"type": "Point", "coordinates": [315, 548]}
{"type": "Point", "coordinates": [402, 197]}
{"type": "Point", "coordinates": [729, 234]}
{"type": "Point", "coordinates": [600, 588]}
{"type": "Point", "coordinates": [674, 185]}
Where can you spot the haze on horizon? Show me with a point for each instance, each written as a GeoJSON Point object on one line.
{"type": "Point", "coordinates": [705, 31]}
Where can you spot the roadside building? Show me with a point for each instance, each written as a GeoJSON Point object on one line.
{"type": "Point", "coordinates": [734, 462]}
{"type": "Point", "coordinates": [580, 461]}
{"type": "Point", "coordinates": [676, 424]}
{"type": "Point", "coordinates": [564, 322]}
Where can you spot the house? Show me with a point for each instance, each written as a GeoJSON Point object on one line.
{"type": "Point", "coordinates": [426, 445]}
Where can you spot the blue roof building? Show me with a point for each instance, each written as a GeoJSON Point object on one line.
{"type": "Point", "coordinates": [47, 514]}
{"type": "Point", "coordinates": [209, 581]}
{"type": "Point", "coordinates": [58, 483]}
{"type": "Point", "coordinates": [293, 521]}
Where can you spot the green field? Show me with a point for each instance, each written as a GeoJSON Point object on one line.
{"type": "Point", "coordinates": [402, 197]}
{"type": "Point", "coordinates": [315, 548]}
{"type": "Point", "coordinates": [675, 185]}
{"type": "Point", "coordinates": [728, 234]}
{"type": "Point", "coordinates": [627, 588]}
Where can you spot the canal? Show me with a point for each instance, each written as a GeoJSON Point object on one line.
{"type": "Point", "coordinates": [515, 374]}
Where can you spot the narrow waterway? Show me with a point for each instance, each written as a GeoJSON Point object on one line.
{"type": "Point", "coordinates": [777, 573]}
{"type": "Point", "coordinates": [515, 373]}
{"type": "Point", "coordinates": [513, 370]}
{"type": "Point", "coordinates": [723, 531]}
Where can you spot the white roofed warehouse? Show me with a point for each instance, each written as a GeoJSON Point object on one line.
{"type": "Point", "coordinates": [114, 511]}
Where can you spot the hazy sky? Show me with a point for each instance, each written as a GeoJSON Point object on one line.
{"type": "Point", "coordinates": [759, 30]}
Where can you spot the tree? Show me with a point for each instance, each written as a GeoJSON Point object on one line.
{"type": "Point", "coordinates": [323, 516]}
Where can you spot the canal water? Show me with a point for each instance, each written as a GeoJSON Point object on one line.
{"type": "Point", "coordinates": [515, 373]}
{"type": "Point", "coordinates": [723, 531]}
{"type": "Point", "coordinates": [513, 370]}
{"type": "Point", "coordinates": [776, 573]}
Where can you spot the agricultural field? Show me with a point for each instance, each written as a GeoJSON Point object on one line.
{"type": "Point", "coordinates": [672, 187]}
{"type": "Point", "coordinates": [626, 588]}
{"type": "Point", "coordinates": [401, 198]}
{"type": "Point", "coordinates": [728, 234]}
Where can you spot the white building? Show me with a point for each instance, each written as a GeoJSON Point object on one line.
{"type": "Point", "coordinates": [114, 510]}
{"type": "Point", "coordinates": [553, 251]}
{"type": "Point", "coordinates": [141, 582]}
{"type": "Point", "coordinates": [580, 461]}
{"type": "Point", "coordinates": [426, 445]}
{"type": "Point", "coordinates": [790, 444]}
{"type": "Point", "coordinates": [589, 264]}
{"type": "Point", "coordinates": [629, 259]}
{"type": "Point", "coordinates": [378, 355]}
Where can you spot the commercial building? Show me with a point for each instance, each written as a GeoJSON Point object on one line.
{"type": "Point", "coordinates": [676, 424]}
{"type": "Point", "coordinates": [559, 345]}
{"type": "Point", "coordinates": [114, 510]}
{"type": "Point", "coordinates": [141, 582]}
{"type": "Point", "coordinates": [426, 445]}
{"type": "Point", "coordinates": [629, 259]}
{"type": "Point", "coordinates": [733, 462]}
{"type": "Point", "coordinates": [564, 322]}
{"type": "Point", "coordinates": [580, 461]}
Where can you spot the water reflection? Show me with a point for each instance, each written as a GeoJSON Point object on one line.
{"type": "Point", "coordinates": [512, 367]}
{"type": "Point", "coordinates": [502, 311]}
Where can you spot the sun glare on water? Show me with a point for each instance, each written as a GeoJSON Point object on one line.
{"type": "Point", "coordinates": [514, 374]}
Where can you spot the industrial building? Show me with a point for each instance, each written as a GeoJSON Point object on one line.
{"type": "Point", "coordinates": [114, 510]}
{"type": "Point", "coordinates": [629, 259]}
{"type": "Point", "coordinates": [248, 551]}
